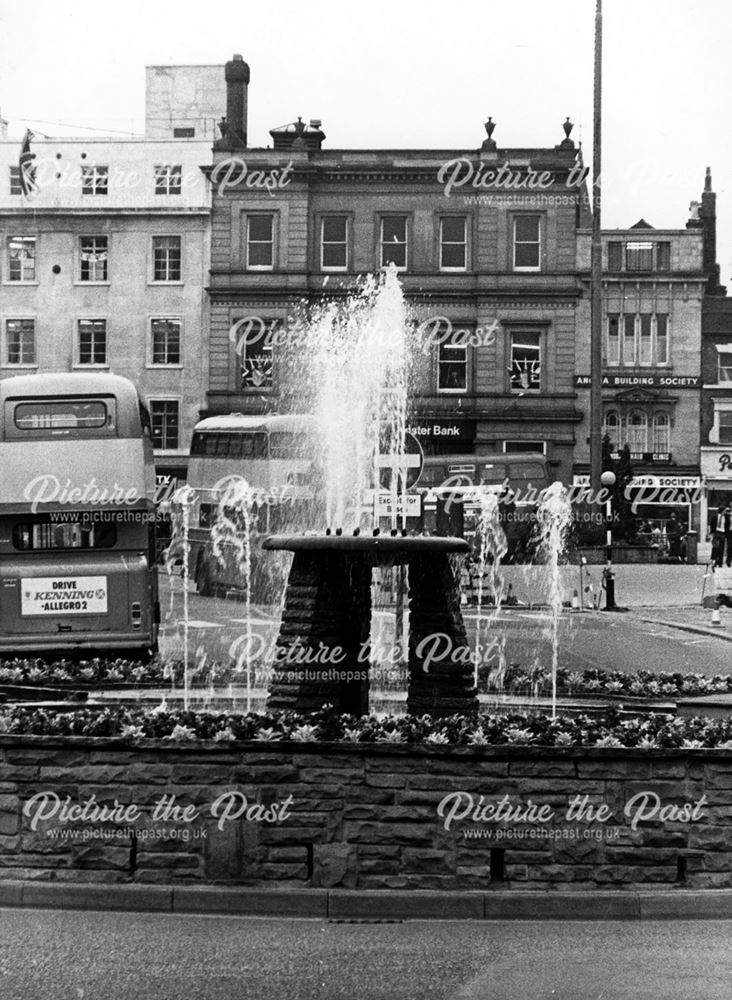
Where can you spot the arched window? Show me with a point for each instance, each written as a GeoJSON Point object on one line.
{"type": "Point", "coordinates": [661, 433]}
{"type": "Point", "coordinates": [637, 431]}
{"type": "Point", "coordinates": [613, 426]}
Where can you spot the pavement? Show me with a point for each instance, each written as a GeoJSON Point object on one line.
{"type": "Point", "coordinates": [636, 586]}
{"type": "Point", "coordinates": [46, 955]}
{"type": "Point", "coordinates": [695, 620]}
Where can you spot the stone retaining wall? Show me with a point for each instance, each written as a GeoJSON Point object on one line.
{"type": "Point", "coordinates": [363, 816]}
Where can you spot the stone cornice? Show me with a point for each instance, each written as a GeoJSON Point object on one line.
{"type": "Point", "coordinates": [33, 214]}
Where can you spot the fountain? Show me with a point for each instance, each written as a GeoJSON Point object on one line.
{"type": "Point", "coordinates": [323, 647]}
{"type": "Point", "coordinates": [492, 546]}
{"type": "Point", "coordinates": [357, 388]}
{"type": "Point", "coordinates": [180, 509]}
{"type": "Point", "coordinates": [231, 537]}
{"type": "Point", "coordinates": [553, 516]}
{"type": "Point", "coordinates": [348, 366]}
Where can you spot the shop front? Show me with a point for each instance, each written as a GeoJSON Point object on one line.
{"type": "Point", "coordinates": [716, 493]}
{"type": "Point", "coordinates": [655, 498]}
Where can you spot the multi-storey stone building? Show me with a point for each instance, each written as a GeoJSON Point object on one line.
{"type": "Point", "coordinates": [653, 285]}
{"type": "Point", "coordinates": [484, 238]}
{"type": "Point", "coordinates": [103, 264]}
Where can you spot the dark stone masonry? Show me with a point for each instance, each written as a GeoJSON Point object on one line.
{"type": "Point", "coordinates": [322, 647]}
{"type": "Point", "coordinates": [363, 815]}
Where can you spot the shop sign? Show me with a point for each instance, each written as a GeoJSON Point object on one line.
{"type": "Point", "coordinates": [641, 381]}
{"type": "Point", "coordinates": [428, 430]}
{"type": "Point", "coordinates": [716, 463]}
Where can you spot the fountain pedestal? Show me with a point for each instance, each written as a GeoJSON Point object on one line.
{"type": "Point", "coordinates": [323, 644]}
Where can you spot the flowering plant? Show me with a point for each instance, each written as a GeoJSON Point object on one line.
{"type": "Point", "coordinates": [327, 726]}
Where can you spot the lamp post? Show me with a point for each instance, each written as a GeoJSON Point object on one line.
{"type": "Point", "coordinates": [608, 481]}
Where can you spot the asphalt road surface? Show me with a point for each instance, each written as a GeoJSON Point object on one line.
{"type": "Point", "coordinates": [73, 955]}
{"type": "Point", "coordinates": [591, 639]}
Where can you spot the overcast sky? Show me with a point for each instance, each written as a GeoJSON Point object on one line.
{"type": "Point", "coordinates": [412, 73]}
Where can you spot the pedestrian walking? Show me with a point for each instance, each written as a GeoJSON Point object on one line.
{"type": "Point", "coordinates": [720, 534]}
{"type": "Point", "coordinates": [673, 536]}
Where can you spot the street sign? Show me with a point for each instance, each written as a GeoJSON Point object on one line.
{"type": "Point", "coordinates": [386, 505]}
{"type": "Point", "coordinates": [409, 463]}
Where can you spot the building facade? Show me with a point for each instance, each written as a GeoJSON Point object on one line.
{"type": "Point", "coordinates": [485, 242]}
{"type": "Point", "coordinates": [716, 405]}
{"type": "Point", "coordinates": [183, 102]}
{"type": "Point", "coordinates": [103, 264]}
{"type": "Point", "coordinates": [653, 287]}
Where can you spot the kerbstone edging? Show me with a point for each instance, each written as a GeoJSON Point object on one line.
{"type": "Point", "coordinates": [371, 905]}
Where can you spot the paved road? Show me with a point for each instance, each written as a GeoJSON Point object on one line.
{"type": "Point", "coordinates": [52, 955]}
{"type": "Point", "coordinates": [612, 642]}
{"type": "Point", "coordinates": [591, 639]}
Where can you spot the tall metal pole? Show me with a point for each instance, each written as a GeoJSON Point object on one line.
{"type": "Point", "coordinates": [596, 270]}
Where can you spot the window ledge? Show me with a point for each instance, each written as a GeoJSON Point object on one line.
{"type": "Point", "coordinates": [166, 283]}
{"type": "Point", "coordinates": [21, 284]}
{"type": "Point", "coordinates": [163, 367]}
{"type": "Point", "coordinates": [92, 284]}
{"type": "Point", "coordinates": [82, 367]}
{"type": "Point", "coordinates": [27, 367]}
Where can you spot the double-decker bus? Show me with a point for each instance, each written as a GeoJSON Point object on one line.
{"type": "Point", "coordinates": [274, 458]}
{"type": "Point", "coordinates": [77, 519]}
{"type": "Point", "coordinates": [457, 482]}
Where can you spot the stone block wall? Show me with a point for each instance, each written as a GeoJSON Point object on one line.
{"type": "Point", "coordinates": [363, 815]}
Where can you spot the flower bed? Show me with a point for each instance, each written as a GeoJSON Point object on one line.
{"type": "Point", "coordinates": [515, 680]}
{"type": "Point", "coordinates": [84, 673]}
{"type": "Point", "coordinates": [654, 732]}
{"type": "Point", "coordinates": [639, 683]}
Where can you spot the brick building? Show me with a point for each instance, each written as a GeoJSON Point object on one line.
{"type": "Point", "coordinates": [485, 238]}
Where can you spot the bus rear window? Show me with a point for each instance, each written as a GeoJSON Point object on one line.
{"type": "Point", "coordinates": [288, 444]}
{"type": "Point", "coordinates": [46, 534]}
{"type": "Point", "coordinates": [61, 415]}
{"type": "Point", "coordinates": [219, 444]}
{"type": "Point", "coordinates": [527, 470]}
{"type": "Point", "coordinates": [493, 474]}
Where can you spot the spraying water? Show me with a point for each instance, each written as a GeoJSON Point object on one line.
{"type": "Point", "coordinates": [231, 539]}
{"type": "Point", "coordinates": [355, 385]}
{"type": "Point", "coordinates": [179, 550]}
{"type": "Point", "coordinates": [553, 517]}
{"type": "Point", "coordinates": [492, 547]}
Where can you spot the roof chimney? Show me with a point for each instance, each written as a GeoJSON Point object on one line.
{"type": "Point", "coordinates": [298, 135]}
{"type": "Point", "coordinates": [708, 216]}
{"type": "Point", "coordinates": [3, 127]}
{"type": "Point", "coordinates": [234, 130]}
